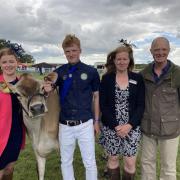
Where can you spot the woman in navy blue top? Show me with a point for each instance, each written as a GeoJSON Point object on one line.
{"type": "Point", "coordinates": [122, 107]}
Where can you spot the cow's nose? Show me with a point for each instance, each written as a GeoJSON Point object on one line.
{"type": "Point", "coordinates": [37, 109]}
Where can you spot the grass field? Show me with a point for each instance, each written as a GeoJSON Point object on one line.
{"type": "Point", "coordinates": [25, 168]}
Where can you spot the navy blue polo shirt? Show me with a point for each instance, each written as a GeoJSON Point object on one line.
{"type": "Point", "coordinates": [78, 101]}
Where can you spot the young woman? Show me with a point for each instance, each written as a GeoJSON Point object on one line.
{"type": "Point", "coordinates": [11, 124]}
{"type": "Point", "coordinates": [122, 107]}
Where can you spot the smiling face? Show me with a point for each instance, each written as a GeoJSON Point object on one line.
{"type": "Point", "coordinates": [121, 61]}
{"type": "Point", "coordinates": [160, 50]}
{"type": "Point", "coordinates": [8, 64]}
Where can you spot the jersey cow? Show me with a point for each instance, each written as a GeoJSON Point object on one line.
{"type": "Point", "coordinates": [41, 116]}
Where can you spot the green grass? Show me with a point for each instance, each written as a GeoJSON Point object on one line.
{"type": "Point", "coordinates": [25, 168]}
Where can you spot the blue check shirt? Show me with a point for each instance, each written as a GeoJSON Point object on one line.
{"type": "Point", "coordinates": [78, 101]}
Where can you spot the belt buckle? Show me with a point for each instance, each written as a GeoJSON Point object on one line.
{"type": "Point", "coordinates": [71, 123]}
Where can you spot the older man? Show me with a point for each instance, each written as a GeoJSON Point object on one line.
{"type": "Point", "coordinates": [161, 121]}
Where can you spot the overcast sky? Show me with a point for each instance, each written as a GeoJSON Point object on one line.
{"type": "Point", "coordinates": [41, 25]}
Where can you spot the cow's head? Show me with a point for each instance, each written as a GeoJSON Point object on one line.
{"type": "Point", "coordinates": [30, 93]}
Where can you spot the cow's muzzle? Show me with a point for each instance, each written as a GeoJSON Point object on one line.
{"type": "Point", "coordinates": [37, 109]}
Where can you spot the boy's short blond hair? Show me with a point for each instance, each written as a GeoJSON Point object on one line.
{"type": "Point", "coordinates": [69, 40]}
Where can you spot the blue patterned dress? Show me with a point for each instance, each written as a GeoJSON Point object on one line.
{"type": "Point", "coordinates": [116, 145]}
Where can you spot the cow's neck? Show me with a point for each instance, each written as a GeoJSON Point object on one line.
{"type": "Point", "coordinates": [33, 127]}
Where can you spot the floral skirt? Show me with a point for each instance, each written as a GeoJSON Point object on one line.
{"type": "Point", "coordinates": [115, 145]}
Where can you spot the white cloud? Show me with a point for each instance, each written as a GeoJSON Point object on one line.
{"type": "Point", "coordinates": [175, 55]}
{"type": "Point", "coordinates": [41, 25]}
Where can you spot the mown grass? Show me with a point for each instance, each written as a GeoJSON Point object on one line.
{"type": "Point", "coordinates": [25, 168]}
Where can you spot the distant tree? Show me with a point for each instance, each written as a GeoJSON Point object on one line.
{"type": "Point", "coordinates": [2, 43]}
{"type": "Point", "coordinates": [20, 52]}
{"type": "Point", "coordinates": [26, 58]}
{"type": "Point", "coordinates": [140, 66]}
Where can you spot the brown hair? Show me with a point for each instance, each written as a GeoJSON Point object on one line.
{"type": "Point", "coordinates": [7, 51]}
{"type": "Point", "coordinates": [69, 40]}
{"type": "Point", "coordinates": [112, 55]}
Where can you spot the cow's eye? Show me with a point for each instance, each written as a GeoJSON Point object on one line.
{"type": "Point", "coordinates": [42, 90]}
{"type": "Point", "coordinates": [19, 96]}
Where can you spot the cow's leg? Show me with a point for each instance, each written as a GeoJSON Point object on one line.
{"type": "Point", "coordinates": [41, 162]}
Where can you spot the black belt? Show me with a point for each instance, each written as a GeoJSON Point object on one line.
{"type": "Point", "coordinates": [73, 122]}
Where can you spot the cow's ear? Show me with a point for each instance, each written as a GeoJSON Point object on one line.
{"type": "Point", "coordinates": [51, 77]}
